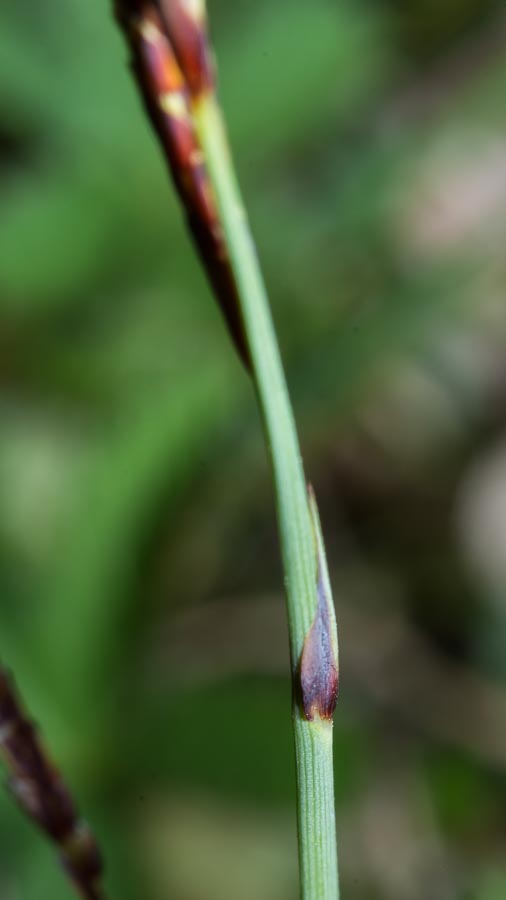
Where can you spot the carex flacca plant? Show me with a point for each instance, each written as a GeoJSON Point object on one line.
{"type": "Point", "coordinates": [174, 67]}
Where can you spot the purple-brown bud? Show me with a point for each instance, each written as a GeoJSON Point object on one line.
{"type": "Point", "coordinates": [318, 671]}
{"type": "Point", "coordinates": [319, 674]}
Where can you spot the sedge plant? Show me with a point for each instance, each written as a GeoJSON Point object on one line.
{"type": "Point", "coordinates": [174, 67]}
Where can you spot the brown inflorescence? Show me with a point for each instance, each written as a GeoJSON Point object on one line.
{"type": "Point", "coordinates": [166, 72]}
{"type": "Point", "coordinates": [167, 99]}
{"type": "Point", "coordinates": [41, 793]}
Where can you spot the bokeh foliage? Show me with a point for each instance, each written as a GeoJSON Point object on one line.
{"type": "Point", "coordinates": [141, 592]}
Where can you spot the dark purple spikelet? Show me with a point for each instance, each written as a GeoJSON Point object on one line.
{"type": "Point", "coordinates": [171, 62]}
{"type": "Point", "coordinates": [43, 796]}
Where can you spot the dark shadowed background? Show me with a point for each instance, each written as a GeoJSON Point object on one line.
{"type": "Point", "coordinates": [141, 592]}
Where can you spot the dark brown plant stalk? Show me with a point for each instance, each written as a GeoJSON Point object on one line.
{"type": "Point", "coordinates": [43, 796]}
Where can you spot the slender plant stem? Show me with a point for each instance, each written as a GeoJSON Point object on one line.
{"type": "Point", "coordinates": [313, 739]}
{"type": "Point", "coordinates": [172, 62]}
{"type": "Point", "coordinates": [297, 544]}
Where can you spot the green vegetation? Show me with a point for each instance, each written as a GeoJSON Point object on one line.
{"type": "Point", "coordinates": [141, 607]}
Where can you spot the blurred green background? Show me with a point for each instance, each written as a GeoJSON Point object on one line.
{"type": "Point", "coordinates": [141, 592]}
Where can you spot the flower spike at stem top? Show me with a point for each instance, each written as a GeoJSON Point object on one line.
{"type": "Point", "coordinates": [220, 228]}
{"type": "Point", "coordinates": [43, 796]}
{"type": "Point", "coordinates": [166, 91]}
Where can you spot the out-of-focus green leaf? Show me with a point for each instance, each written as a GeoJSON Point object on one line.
{"type": "Point", "coordinates": [288, 74]}
{"type": "Point", "coordinates": [53, 241]}
{"type": "Point", "coordinates": [148, 456]}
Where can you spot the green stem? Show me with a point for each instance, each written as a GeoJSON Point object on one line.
{"type": "Point", "coordinates": [313, 739]}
